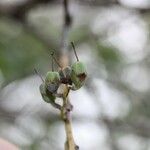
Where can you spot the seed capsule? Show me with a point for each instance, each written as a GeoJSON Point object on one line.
{"type": "Point", "coordinates": [49, 98]}
{"type": "Point", "coordinates": [78, 72]}
{"type": "Point", "coordinates": [52, 81]}
{"type": "Point", "coordinates": [64, 73]}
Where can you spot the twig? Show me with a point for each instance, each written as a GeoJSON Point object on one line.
{"type": "Point", "coordinates": [66, 27]}
{"type": "Point", "coordinates": [67, 107]}
{"type": "Point", "coordinates": [65, 115]}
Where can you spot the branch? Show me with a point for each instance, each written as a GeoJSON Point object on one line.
{"type": "Point", "coordinates": [66, 28]}
{"type": "Point", "coordinates": [65, 115]}
{"type": "Point", "coordinates": [64, 60]}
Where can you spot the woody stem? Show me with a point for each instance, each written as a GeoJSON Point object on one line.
{"type": "Point", "coordinates": [65, 115]}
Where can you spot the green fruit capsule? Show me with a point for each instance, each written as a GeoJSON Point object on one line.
{"type": "Point", "coordinates": [48, 97]}
{"type": "Point", "coordinates": [52, 81]}
{"type": "Point", "coordinates": [64, 73]}
{"type": "Point", "coordinates": [78, 74]}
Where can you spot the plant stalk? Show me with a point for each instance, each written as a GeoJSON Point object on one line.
{"type": "Point", "coordinates": [65, 115]}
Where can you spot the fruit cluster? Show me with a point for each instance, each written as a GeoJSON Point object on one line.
{"type": "Point", "coordinates": [74, 77]}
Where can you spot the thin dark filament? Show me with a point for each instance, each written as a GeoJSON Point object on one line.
{"type": "Point", "coordinates": [52, 65]}
{"type": "Point", "coordinates": [35, 70]}
{"type": "Point", "coordinates": [74, 51]}
{"type": "Point", "coordinates": [52, 54]}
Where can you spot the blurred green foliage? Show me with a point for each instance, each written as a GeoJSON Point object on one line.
{"type": "Point", "coordinates": [20, 52]}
